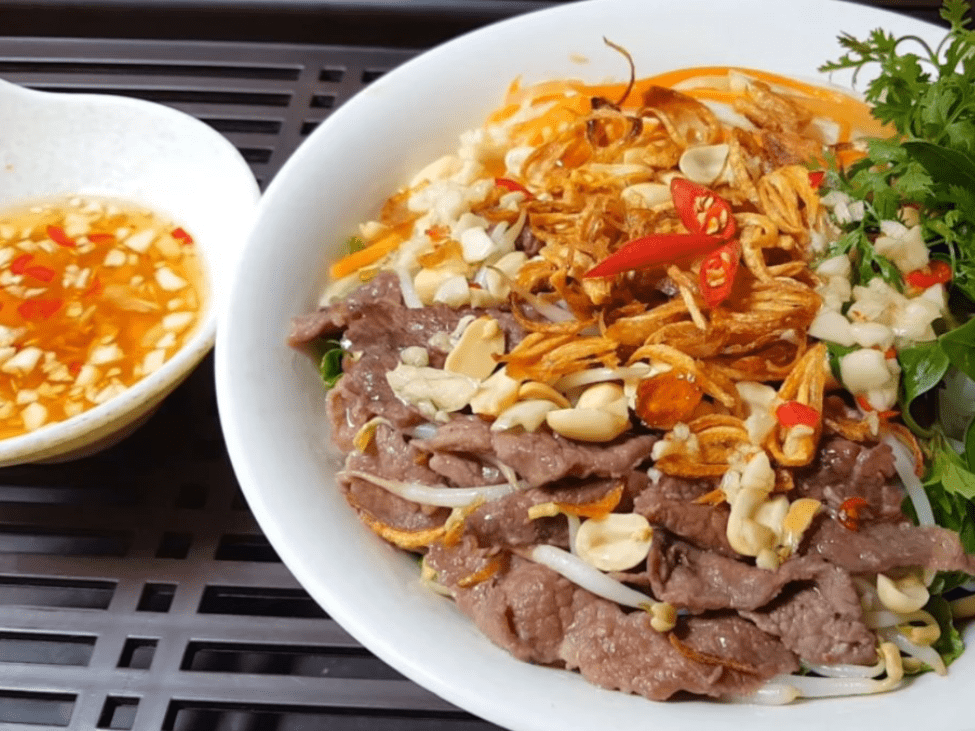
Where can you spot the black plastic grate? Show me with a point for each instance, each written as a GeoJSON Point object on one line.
{"type": "Point", "coordinates": [136, 590]}
{"type": "Point", "coordinates": [265, 98]}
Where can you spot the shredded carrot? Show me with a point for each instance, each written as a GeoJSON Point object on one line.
{"type": "Point", "coordinates": [596, 509]}
{"type": "Point", "coordinates": [370, 255]}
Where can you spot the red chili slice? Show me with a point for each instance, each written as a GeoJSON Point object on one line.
{"type": "Point", "coordinates": [39, 309]}
{"type": "Point", "coordinates": [44, 274]}
{"type": "Point", "coordinates": [180, 234]}
{"type": "Point", "coordinates": [816, 177]}
{"type": "Point", "coordinates": [718, 272]}
{"type": "Point", "coordinates": [849, 513]}
{"type": "Point", "coordinates": [653, 250]}
{"type": "Point", "coordinates": [101, 238]}
{"type": "Point", "coordinates": [59, 237]}
{"type": "Point", "coordinates": [19, 265]}
{"type": "Point", "coordinates": [793, 413]}
{"type": "Point", "coordinates": [701, 210]}
{"type": "Point", "coordinates": [512, 185]}
{"type": "Point", "coordinates": [868, 407]}
{"type": "Point", "coordinates": [94, 288]}
{"type": "Point", "coordinates": [937, 272]}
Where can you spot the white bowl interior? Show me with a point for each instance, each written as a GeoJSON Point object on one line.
{"type": "Point", "coordinates": [64, 144]}
{"type": "Point", "coordinates": [271, 401]}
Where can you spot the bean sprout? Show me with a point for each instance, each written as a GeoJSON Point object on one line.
{"type": "Point", "coordinates": [904, 465]}
{"type": "Point", "coordinates": [442, 497]}
{"type": "Point", "coordinates": [592, 579]}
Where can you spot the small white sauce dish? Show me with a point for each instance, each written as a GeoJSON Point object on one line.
{"type": "Point", "coordinates": [59, 145]}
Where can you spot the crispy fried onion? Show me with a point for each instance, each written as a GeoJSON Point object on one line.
{"type": "Point", "coordinates": [788, 198]}
{"type": "Point", "coordinates": [797, 445]}
{"type": "Point", "coordinates": [546, 357]}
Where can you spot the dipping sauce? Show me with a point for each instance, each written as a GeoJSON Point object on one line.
{"type": "Point", "coordinates": [95, 294]}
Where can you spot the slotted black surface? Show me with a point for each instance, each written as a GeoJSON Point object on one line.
{"type": "Point", "coordinates": [136, 590]}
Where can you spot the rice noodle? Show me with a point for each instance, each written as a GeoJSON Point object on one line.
{"type": "Point", "coordinates": [592, 579]}
{"type": "Point", "coordinates": [442, 497]}
{"type": "Point", "coordinates": [904, 465]}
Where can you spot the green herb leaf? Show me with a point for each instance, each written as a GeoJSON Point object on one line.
{"type": "Point", "coordinates": [959, 346]}
{"type": "Point", "coordinates": [946, 165]}
{"type": "Point", "coordinates": [950, 644]}
{"type": "Point", "coordinates": [922, 368]}
{"type": "Point", "coordinates": [329, 354]}
{"type": "Point", "coordinates": [834, 353]}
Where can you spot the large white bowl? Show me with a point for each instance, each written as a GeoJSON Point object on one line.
{"type": "Point", "coordinates": [271, 402]}
{"type": "Point", "coordinates": [53, 145]}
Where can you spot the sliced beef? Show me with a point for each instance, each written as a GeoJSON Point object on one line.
{"type": "Point", "coordinates": [461, 435]}
{"type": "Point", "coordinates": [538, 616]}
{"type": "Point", "coordinates": [333, 319]}
{"type": "Point", "coordinates": [464, 471]}
{"type": "Point", "coordinates": [810, 604]}
{"type": "Point", "coordinates": [880, 547]}
{"type": "Point", "coordinates": [705, 526]}
{"type": "Point", "coordinates": [845, 469]}
{"type": "Point", "coordinates": [620, 651]}
{"type": "Point", "coordinates": [528, 242]}
{"type": "Point", "coordinates": [506, 523]}
{"type": "Point", "coordinates": [542, 458]}
{"type": "Point", "coordinates": [524, 609]}
{"type": "Point", "coordinates": [391, 457]}
{"type": "Point", "coordinates": [821, 621]}
{"type": "Point", "coordinates": [668, 503]}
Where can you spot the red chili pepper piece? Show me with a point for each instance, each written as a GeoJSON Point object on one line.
{"type": "Point", "coordinates": [39, 309]}
{"type": "Point", "coordinates": [180, 234]}
{"type": "Point", "coordinates": [59, 237]}
{"type": "Point", "coordinates": [816, 177]}
{"type": "Point", "coordinates": [793, 413]}
{"type": "Point", "coordinates": [94, 288]}
{"type": "Point", "coordinates": [512, 185]}
{"type": "Point", "coordinates": [74, 367]}
{"type": "Point", "coordinates": [101, 238]}
{"type": "Point", "coordinates": [849, 513]}
{"type": "Point", "coordinates": [19, 265]}
{"type": "Point", "coordinates": [937, 272]}
{"type": "Point", "coordinates": [44, 274]}
{"type": "Point", "coordinates": [717, 275]}
{"type": "Point", "coordinates": [700, 210]}
{"type": "Point", "coordinates": [653, 250]}
{"type": "Point", "coordinates": [868, 407]}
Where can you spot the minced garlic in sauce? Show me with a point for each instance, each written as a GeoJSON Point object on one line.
{"type": "Point", "coordinates": [94, 295]}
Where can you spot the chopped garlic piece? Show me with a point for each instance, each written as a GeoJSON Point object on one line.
{"type": "Point", "coordinates": [168, 280]}
{"type": "Point", "coordinates": [34, 416]}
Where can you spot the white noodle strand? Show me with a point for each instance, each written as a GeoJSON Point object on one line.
{"type": "Point", "coordinates": [904, 465]}
{"type": "Point", "coordinates": [442, 497]}
{"type": "Point", "coordinates": [588, 577]}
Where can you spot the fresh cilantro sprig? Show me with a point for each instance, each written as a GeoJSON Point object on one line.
{"type": "Point", "coordinates": [928, 96]}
